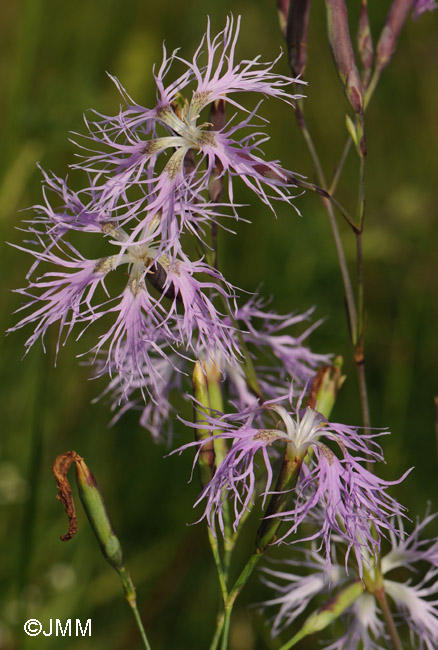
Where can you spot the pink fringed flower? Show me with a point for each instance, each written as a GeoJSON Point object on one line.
{"type": "Point", "coordinates": [334, 481]}
{"type": "Point", "coordinates": [171, 151]}
{"type": "Point", "coordinates": [414, 600]}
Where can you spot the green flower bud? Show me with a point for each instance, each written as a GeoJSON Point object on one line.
{"type": "Point", "coordinates": [94, 506]}
{"type": "Point", "coordinates": [328, 613]}
{"type": "Point", "coordinates": [200, 391]}
{"type": "Point", "coordinates": [325, 387]}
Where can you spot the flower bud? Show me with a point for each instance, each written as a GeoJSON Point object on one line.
{"type": "Point", "coordinates": [283, 12]}
{"type": "Point", "coordinates": [200, 391]}
{"type": "Point", "coordinates": [329, 612]}
{"type": "Point", "coordinates": [296, 34]}
{"type": "Point", "coordinates": [391, 30]}
{"type": "Point", "coordinates": [325, 387]}
{"type": "Point", "coordinates": [94, 506]}
{"type": "Point", "coordinates": [342, 50]}
{"type": "Point", "coordinates": [365, 43]}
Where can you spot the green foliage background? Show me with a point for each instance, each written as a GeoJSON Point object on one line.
{"type": "Point", "coordinates": [54, 56]}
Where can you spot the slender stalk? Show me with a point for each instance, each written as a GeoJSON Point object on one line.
{"type": "Point", "coordinates": [340, 166]}
{"type": "Point", "coordinates": [218, 632]}
{"type": "Point", "coordinates": [217, 560]}
{"type": "Point", "coordinates": [294, 640]}
{"type": "Point", "coordinates": [226, 628]}
{"type": "Point", "coordinates": [360, 288]}
{"type": "Point", "coordinates": [359, 356]}
{"type": "Point", "coordinates": [140, 626]}
{"type": "Point", "coordinates": [237, 588]}
{"type": "Point", "coordinates": [348, 288]}
{"type": "Point", "coordinates": [389, 621]}
{"type": "Point", "coordinates": [361, 197]}
{"type": "Point", "coordinates": [307, 137]}
{"type": "Point", "coordinates": [243, 578]}
{"type": "Point", "coordinates": [372, 87]}
{"type": "Point", "coordinates": [326, 195]}
{"type": "Point", "coordinates": [368, 94]}
{"type": "Point", "coordinates": [132, 602]}
{"type": "Point", "coordinates": [360, 275]}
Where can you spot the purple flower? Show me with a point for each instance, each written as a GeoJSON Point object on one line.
{"type": "Point", "coordinates": [63, 295]}
{"type": "Point", "coordinates": [147, 391]}
{"type": "Point", "coordinates": [167, 298]}
{"type": "Point", "coordinates": [420, 6]}
{"type": "Point", "coordinates": [415, 603]}
{"type": "Point", "coordinates": [235, 478]}
{"type": "Point", "coordinates": [147, 184]}
{"type": "Point", "coordinates": [147, 387]}
{"type": "Point", "coordinates": [278, 356]}
{"type": "Point", "coordinates": [126, 151]}
{"type": "Point", "coordinates": [348, 495]}
{"type": "Point", "coordinates": [294, 592]}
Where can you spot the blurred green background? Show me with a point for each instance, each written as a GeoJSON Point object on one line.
{"type": "Point", "coordinates": [54, 56]}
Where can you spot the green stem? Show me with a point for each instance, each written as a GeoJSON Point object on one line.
{"type": "Point", "coordinates": [360, 275]}
{"type": "Point", "coordinates": [372, 87]}
{"type": "Point", "coordinates": [348, 288]}
{"type": "Point", "coordinates": [389, 621]}
{"type": "Point", "coordinates": [361, 197]}
{"type": "Point", "coordinates": [217, 560]}
{"type": "Point", "coordinates": [238, 586]}
{"type": "Point", "coordinates": [286, 482]}
{"type": "Point", "coordinates": [218, 632]}
{"type": "Point", "coordinates": [359, 352]}
{"type": "Point", "coordinates": [132, 602]}
{"type": "Point", "coordinates": [312, 149]}
{"type": "Point", "coordinates": [226, 628]}
{"type": "Point", "coordinates": [294, 640]}
{"type": "Point", "coordinates": [340, 166]}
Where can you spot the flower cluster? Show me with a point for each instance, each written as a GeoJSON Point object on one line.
{"type": "Point", "coordinates": [153, 194]}
{"type": "Point", "coordinates": [277, 355]}
{"type": "Point", "coordinates": [154, 177]}
{"type": "Point", "coordinates": [415, 602]}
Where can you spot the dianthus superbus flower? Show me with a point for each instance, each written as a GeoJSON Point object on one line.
{"type": "Point", "coordinates": [170, 298]}
{"type": "Point", "coordinates": [148, 390]}
{"type": "Point", "coordinates": [338, 484]}
{"type": "Point", "coordinates": [278, 357]}
{"type": "Point", "coordinates": [127, 150]}
{"type": "Point", "coordinates": [414, 599]}
{"type": "Point", "coordinates": [146, 185]}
